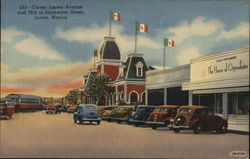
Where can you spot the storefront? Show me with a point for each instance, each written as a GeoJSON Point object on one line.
{"type": "Point", "coordinates": [221, 81]}
{"type": "Point", "coordinates": [163, 87]}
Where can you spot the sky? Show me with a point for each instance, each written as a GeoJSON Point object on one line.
{"type": "Point", "coordinates": [48, 57]}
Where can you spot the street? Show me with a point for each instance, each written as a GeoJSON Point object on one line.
{"type": "Point", "coordinates": [44, 135]}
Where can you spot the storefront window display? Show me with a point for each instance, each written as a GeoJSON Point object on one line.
{"type": "Point", "coordinates": [238, 103]}
{"type": "Point", "coordinates": [214, 101]}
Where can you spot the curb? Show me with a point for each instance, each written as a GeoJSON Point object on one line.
{"type": "Point", "coordinates": [238, 132]}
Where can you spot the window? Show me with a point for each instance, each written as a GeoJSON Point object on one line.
{"type": "Point", "coordinates": [185, 110]}
{"type": "Point", "coordinates": [139, 69]}
{"type": "Point", "coordinates": [238, 103]}
{"type": "Point", "coordinates": [122, 71]}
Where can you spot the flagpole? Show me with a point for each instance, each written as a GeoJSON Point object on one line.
{"type": "Point", "coordinates": [164, 54]}
{"type": "Point", "coordinates": [135, 37]}
{"type": "Point", "coordinates": [94, 59]}
{"type": "Point", "coordinates": [109, 23]}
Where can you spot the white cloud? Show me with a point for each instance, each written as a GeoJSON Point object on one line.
{"type": "Point", "coordinates": [81, 34]}
{"type": "Point", "coordinates": [242, 30]}
{"type": "Point", "coordinates": [97, 33]}
{"type": "Point", "coordinates": [8, 35]}
{"type": "Point", "coordinates": [31, 45]}
{"type": "Point", "coordinates": [35, 46]}
{"type": "Point", "coordinates": [198, 27]}
{"type": "Point", "coordinates": [185, 55]}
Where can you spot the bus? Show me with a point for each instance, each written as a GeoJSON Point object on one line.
{"type": "Point", "coordinates": [25, 102]}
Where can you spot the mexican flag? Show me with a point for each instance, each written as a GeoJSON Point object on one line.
{"type": "Point", "coordinates": [169, 43]}
{"type": "Point", "coordinates": [115, 16]}
{"type": "Point", "coordinates": [142, 27]}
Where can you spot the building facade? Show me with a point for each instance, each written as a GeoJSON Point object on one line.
{"type": "Point", "coordinates": [164, 87]}
{"type": "Point", "coordinates": [220, 81]}
{"type": "Point", "coordinates": [127, 79]}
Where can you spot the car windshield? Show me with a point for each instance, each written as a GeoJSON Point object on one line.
{"type": "Point", "coordinates": [141, 109]}
{"type": "Point", "coordinates": [185, 110]}
{"type": "Point", "coordinates": [90, 107]}
{"type": "Point", "coordinates": [161, 109]}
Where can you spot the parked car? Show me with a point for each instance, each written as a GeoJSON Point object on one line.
{"type": "Point", "coordinates": [53, 109]}
{"type": "Point", "coordinates": [198, 118]}
{"type": "Point", "coordinates": [105, 112]}
{"type": "Point", "coordinates": [72, 108]}
{"type": "Point", "coordinates": [65, 108]}
{"type": "Point", "coordinates": [6, 109]}
{"type": "Point", "coordinates": [87, 112]}
{"type": "Point", "coordinates": [121, 114]}
{"type": "Point", "coordinates": [44, 107]}
{"type": "Point", "coordinates": [161, 116]}
{"type": "Point", "coordinates": [141, 115]}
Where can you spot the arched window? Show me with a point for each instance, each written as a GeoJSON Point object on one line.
{"type": "Point", "coordinates": [133, 97]}
{"type": "Point", "coordinates": [139, 69]}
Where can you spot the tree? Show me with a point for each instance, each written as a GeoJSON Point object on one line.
{"type": "Point", "coordinates": [98, 86]}
{"type": "Point", "coordinates": [72, 96]}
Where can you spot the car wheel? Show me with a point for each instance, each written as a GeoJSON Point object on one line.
{"type": "Point", "coordinates": [154, 127]}
{"type": "Point", "coordinates": [223, 129]}
{"type": "Point", "coordinates": [197, 129]}
{"type": "Point", "coordinates": [136, 125]}
{"type": "Point", "coordinates": [10, 116]}
{"type": "Point", "coordinates": [46, 112]}
{"type": "Point", "coordinates": [75, 121]}
{"type": "Point", "coordinates": [98, 123]}
{"type": "Point", "coordinates": [176, 130]}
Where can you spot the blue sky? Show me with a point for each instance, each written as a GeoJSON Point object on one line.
{"type": "Point", "coordinates": [198, 27]}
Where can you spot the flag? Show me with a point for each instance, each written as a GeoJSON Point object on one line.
{"type": "Point", "coordinates": [169, 43]}
{"type": "Point", "coordinates": [95, 53]}
{"type": "Point", "coordinates": [141, 27]}
{"type": "Point", "coordinates": [115, 16]}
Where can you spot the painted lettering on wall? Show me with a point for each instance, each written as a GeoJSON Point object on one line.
{"type": "Point", "coordinates": [228, 66]}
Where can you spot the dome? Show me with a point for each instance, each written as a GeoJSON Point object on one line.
{"type": "Point", "coordinates": [109, 49]}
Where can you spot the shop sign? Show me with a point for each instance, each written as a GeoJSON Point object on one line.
{"type": "Point", "coordinates": [223, 67]}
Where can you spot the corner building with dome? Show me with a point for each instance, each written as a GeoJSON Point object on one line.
{"type": "Point", "coordinates": [127, 77]}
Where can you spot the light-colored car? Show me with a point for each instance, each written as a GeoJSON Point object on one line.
{"type": "Point", "coordinates": [87, 112]}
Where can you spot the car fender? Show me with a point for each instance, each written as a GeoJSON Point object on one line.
{"type": "Point", "coordinates": [194, 122]}
{"type": "Point", "coordinates": [222, 122]}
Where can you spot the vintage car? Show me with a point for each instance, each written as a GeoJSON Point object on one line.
{"type": "Point", "coordinates": [87, 112]}
{"type": "Point", "coordinates": [53, 109]}
{"type": "Point", "coordinates": [6, 109]}
{"type": "Point", "coordinates": [140, 116]}
{"type": "Point", "coordinates": [72, 108]}
{"type": "Point", "coordinates": [105, 112]}
{"type": "Point", "coordinates": [65, 108]}
{"type": "Point", "coordinates": [161, 116]}
{"type": "Point", "coordinates": [121, 114]}
{"type": "Point", "coordinates": [198, 118]}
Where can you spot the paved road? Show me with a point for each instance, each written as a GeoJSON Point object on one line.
{"type": "Point", "coordinates": [46, 136]}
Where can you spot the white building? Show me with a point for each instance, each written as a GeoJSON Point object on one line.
{"type": "Point", "coordinates": [220, 81]}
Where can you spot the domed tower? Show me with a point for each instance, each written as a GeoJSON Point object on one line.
{"type": "Point", "coordinates": [109, 58]}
